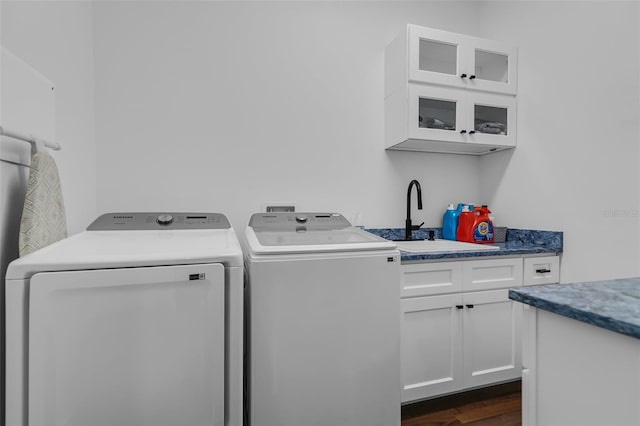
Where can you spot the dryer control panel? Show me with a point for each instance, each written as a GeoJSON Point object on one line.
{"type": "Point", "coordinates": [157, 221]}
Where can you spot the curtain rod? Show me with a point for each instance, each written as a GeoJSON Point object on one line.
{"type": "Point", "coordinates": [29, 138]}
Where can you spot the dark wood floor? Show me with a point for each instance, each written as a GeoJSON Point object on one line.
{"type": "Point", "coordinates": [494, 406]}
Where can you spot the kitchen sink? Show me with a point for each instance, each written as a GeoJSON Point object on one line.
{"type": "Point", "coordinates": [424, 246]}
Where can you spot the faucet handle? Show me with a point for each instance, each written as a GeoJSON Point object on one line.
{"type": "Point", "coordinates": [416, 227]}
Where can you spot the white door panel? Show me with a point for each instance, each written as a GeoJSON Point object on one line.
{"type": "Point", "coordinates": [431, 346]}
{"type": "Point", "coordinates": [492, 341]}
{"type": "Point", "coordinates": [138, 346]}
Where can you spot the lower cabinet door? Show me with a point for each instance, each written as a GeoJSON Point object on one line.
{"type": "Point", "coordinates": [492, 342]}
{"type": "Point", "coordinates": [431, 346]}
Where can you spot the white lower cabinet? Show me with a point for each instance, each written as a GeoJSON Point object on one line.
{"type": "Point", "coordinates": [457, 341]}
{"type": "Point", "coordinates": [491, 336]}
{"type": "Point", "coordinates": [466, 336]}
{"type": "Point", "coordinates": [431, 346]}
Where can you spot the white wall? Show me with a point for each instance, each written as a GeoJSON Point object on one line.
{"type": "Point", "coordinates": [27, 104]}
{"type": "Point", "coordinates": [223, 106]}
{"type": "Point", "coordinates": [56, 38]}
{"type": "Point", "coordinates": [576, 165]}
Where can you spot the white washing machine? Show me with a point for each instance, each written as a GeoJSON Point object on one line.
{"type": "Point", "coordinates": [135, 322]}
{"type": "Point", "coordinates": [323, 323]}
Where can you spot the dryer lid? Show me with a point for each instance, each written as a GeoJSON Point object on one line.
{"type": "Point", "coordinates": [130, 248]}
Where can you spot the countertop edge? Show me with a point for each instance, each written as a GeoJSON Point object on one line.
{"type": "Point", "coordinates": [519, 242]}
{"type": "Point", "coordinates": [568, 311]}
{"type": "Point", "coordinates": [410, 256]}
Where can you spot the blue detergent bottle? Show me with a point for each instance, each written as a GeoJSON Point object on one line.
{"type": "Point", "coordinates": [450, 223]}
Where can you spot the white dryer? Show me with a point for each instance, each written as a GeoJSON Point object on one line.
{"type": "Point", "coordinates": [136, 321]}
{"type": "Point", "coordinates": [323, 323]}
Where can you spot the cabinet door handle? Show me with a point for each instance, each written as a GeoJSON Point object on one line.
{"type": "Point", "coordinates": [543, 271]}
{"type": "Point", "coordinates": [471, 77]}
{"type": "Point", "coordinates": [463, 75]}
{"type": "Point", "coordinates": [471, 132]}
{"type": "Point", "coordinates": [459, 306]}
{"type": "Point", "coordinates": [470, 306]}
{"type": "Point", "coordinates": [463, 132]}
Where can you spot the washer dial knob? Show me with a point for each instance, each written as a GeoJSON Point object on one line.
{"type": "Point", "coordinates": [301, 219]}
{"type": "Point", "coordinates": [164, 219]}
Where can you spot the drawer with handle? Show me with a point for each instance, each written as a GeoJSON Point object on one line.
{"type": "Point", "coordinates": [541, 270]}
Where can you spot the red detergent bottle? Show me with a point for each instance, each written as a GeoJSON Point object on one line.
{"type": "Point", "coordinates": [482, 229]}
{"type": "Point", "coordinates": [465, 225]}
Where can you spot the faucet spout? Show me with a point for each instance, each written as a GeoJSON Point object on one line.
{"type": "Point", "coordinates": [419, 191]}
{"type": "Point", "coordinates": [408, 224]}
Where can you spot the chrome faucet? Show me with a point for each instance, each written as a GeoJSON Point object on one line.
{"type": "Point", "coordinates": [408, 225]}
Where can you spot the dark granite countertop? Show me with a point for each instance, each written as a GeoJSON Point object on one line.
{"type": "Point", "coordinates": [518, 242]}
{"type": "Point", "coordinates": [613, 304]}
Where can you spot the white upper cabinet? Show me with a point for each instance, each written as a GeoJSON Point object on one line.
{"type": "Point", "coordinates": [473, 122]}
{"type": "Point", "coordinates": [441, 57]}
{"type": "Point", "coordinates": [451, 93]}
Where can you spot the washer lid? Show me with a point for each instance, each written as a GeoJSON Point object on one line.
{"type": "Point", "coordinates": [308, 232]}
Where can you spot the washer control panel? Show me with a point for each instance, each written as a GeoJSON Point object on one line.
{"type": "Point", "coordinates": [149, 221]}
{"type": "Point", "coordinates": [285, 221]}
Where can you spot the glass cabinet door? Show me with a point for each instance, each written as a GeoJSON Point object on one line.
{"type": "Point", "coordinates": [437, 56]}
{"type": "Point", "coordinates": [434, 56]}
{"type": "Point", "coordinates": [494, 67]}
{"type": "Point", "coordinates": [492, 118]}
{"type": "Point", "coordinates": [491, 66]}
{"type": "Point", "coordinates": [435, 113]}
